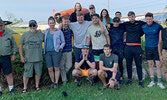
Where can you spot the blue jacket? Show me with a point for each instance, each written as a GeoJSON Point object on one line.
{"type": "Point", "coordinates": [58, 39]}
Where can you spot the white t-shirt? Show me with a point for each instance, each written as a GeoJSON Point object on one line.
{"type": "Point", "coordinates": [80, 32]}
{"type": "Point", "coordinates": [98, 39]}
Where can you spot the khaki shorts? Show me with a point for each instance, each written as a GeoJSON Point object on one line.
{"type": "Point", "coordinates": [30, 67]}
{"type": "Point", "coordinates": [164, 64]}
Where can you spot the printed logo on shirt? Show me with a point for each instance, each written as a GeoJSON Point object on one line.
{"type": "Point", "coordinates": [33, 44]}
{"type": "Point", "coordinates": [97, 34]}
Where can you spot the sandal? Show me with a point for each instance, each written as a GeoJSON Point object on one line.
{"type": "Point", "coordinates": [24, 91]}
{"type": "Point", "coordinates": [37, 89]}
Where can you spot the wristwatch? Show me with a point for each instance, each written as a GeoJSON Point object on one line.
{"type": "Point", "coordinates": [14, 53]}
{"type": "Point", "coordinates": [113, 79]}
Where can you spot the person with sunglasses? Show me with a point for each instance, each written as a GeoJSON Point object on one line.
{"type": "Point", "coordinates": [87, 16]}
{"type": "Point", "coordinates": [32, 40]}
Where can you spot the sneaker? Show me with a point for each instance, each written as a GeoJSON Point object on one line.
{"type": "Point", "coordinates": [141, 84]}
{"type": "Point", "coordinates": [103, 87]}
{"type": "Point", "coordinates": [151, 84]}
{"type": "Point", "coordinates": [12, 92]}
{"type": "Point", "coordinates": [91, 80]}
{"type": "Point", "coordinates": [129, 82]}
{"type": "Point", "coordinates": [65, 83]}
{"type": "Point", "coordinates": [160, 85]}
{"type": "Point", "coordinates": [52, 85]}
{"type": "Point", "coordinates": [78, 82]}
{"type": "Point", "coordinates": [121, 82]}
{"type": "Point", "coordinates": [117, 87]}
{"type": "Point", "coordinates": [0, 93]}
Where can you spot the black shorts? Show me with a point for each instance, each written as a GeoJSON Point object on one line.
{"type": "Point", "coordinates": [5, 64]}
{"type": "Point", "coordinates": [152, 53]}
{"type": "Point", "coordinates": [109, 75]}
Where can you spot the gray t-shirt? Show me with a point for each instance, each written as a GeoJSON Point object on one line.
{"type": "Point", "coordinates": [109, 61]}
{"type": "Point", "coordinates": [80, 32]}
{"type": "Point", "coordinates": [33, 46]}
{"type": "Point", "coordinates": [98, 39]}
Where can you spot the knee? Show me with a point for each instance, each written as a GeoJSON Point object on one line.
{"type": "Point", "coordinates": [9, 75]}
{"type": "Point", "coordinates": [50, 70]}
{"type": "Point", "coordinates": [57, 69]}
{"type": "Point", "coordinates": [94, 72]}
{"type": "Point", "coordinates": [74, 73]}
{"type": "Point", "coordinates": [100, 72]}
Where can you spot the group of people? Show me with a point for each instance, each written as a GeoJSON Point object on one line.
{"type": "Point", "coordinates": [110, 39]}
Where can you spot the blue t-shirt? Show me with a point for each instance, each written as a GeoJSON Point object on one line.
{"type": "Point", "coordinates": [104, 21]}
{"type": "Point", "coordinates": [49, 42]}
{"type": "Point", "coordinates": [116, 36]}
{"type": "Point", "coordinates": [68, 39]}
{"type": "Point", "coordinates": [79, 57]}
{"type": "Point", "coordinates": [152, 34]}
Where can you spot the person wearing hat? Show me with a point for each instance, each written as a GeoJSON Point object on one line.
{"type": "Point", "coordinates": [87, 16]}
{"type": "Point", "coordinates": [116, 33]}
{"type": "Point", "coordinates": [32, 40]}
{"type": "Point", "coordinates": [98, 35]}
{"type": "Point", "coordinates": [84, 66]}
{"type": "Point", "coordinates": [8, 47]}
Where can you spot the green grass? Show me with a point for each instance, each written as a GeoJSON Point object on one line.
{"type": "Point", "coordinates": [87, 92]}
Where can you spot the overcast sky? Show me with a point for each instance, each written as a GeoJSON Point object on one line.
{"type": "Point", "coordinates": [40, 10]}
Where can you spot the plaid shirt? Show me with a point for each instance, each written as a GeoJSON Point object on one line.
{"type": "Point", "coordinates": [68, 39]}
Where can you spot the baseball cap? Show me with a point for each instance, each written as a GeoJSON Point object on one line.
{"type": "Point", "coordinates": [32, 22]}
{"type": "Point", "coordinates": [116, 19]}
{"type": "Point", "coordinates": [4, 22]}
{"type": "Point", "coordinates": [85, 46]}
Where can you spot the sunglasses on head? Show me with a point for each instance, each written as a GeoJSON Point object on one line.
{"type": "Point", "coordinates": [91, 8]}
{"type": "Point", "coordinates": [32, 25]}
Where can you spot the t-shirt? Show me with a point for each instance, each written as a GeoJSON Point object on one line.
{"type": "Point", "coordinates": [68, 39]}
{"type": "Point", "coordinates": [104, 21]}
{"type": "Point", "coordinates": [98, 39]}
{"type": "Point", "coordinates": [116, 36]}
{"type": "Point", "coordinates": [152, 34]}
{"type": "Point", "coordinates": [33, 46]}
{"type": "Point", "coordinates": [49, 42]}
{"type": "Point", "coordinates": [80, 32]}
{"type": "Point", "coordinates": [164, 38]}
{"type": "Point", "coordinates": [108, 62]}
{"type": "Point", "coordinates": [134, 31]}
{"type": "Point", "coordinates": [79, 57]}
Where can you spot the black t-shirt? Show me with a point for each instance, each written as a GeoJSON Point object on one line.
{"type": "Point", "coordinates": [73, 17]}
{"type": "Point", "coordinates": [164, 38]}
{"type": "Point", "coordinates": [79, 57]}
{"type": "Point", "coordinates": [134, 31]}
{"type": "Point", "coordinates": [87, 17]}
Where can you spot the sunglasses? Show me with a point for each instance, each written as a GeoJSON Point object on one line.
{"type": "Point", "coordinates": [91, 8]}
{"type": "Point", "coordinates": [32, 25]}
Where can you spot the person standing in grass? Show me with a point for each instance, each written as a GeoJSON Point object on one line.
{"type": "Point", "coordinates": [66, 60]}
{"type": "Point", "coordinates": [77, 9]}
{"type": "Point", "coordinates": [98, 35]}
{"type": "Point", "coordinates": [116, 33]}
{"type": "Point", "coordinates": [109, 73]}
{"type": "Point", "coordinates": [54, 43]}
{"type": "Point", "coordinates": [163, 42]}
{"type": "Point", "coordinates": [153, 48]}
{"type": "Point", "coordinates": [33, 59]}
{"type": "Point", "coordinates": [8, 47]}
{"type": "Point", "coordinates": [84, 66]}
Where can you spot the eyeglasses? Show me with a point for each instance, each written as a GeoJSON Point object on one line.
{"type": "Point", "coordinates": [91, 8]}
{"type": "Point", "coordinates": [32, 25]}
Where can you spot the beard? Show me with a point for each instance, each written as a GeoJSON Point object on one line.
{"type": "Point", "coordinates": [32, 30]}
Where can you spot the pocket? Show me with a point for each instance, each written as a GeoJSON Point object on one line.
{"type": "Point", "coordinates": [7, 42]}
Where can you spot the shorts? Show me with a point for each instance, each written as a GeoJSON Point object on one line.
{"type": "Point", "coordinates": [164, 63]}
{"type": "Point", "coordinates": [97, 52]}
{"type": "Point", "coordinates": [5, 64]}
{"type": "Point", "coordinates": [152, 53]}
{"type": "Point", "coordinates": [109, 75]}
{"type": "Point", "coordinates": [29, 68]}
{"type": "Point", "coordinates": [84, 72]}
{"type": "Point", "coordinates": [53, 59]}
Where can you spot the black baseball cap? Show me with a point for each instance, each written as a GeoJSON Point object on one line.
{"type": "Point", "coordinates": [32, 22]}
{"type": "Point", "coordinates": [116, 19]}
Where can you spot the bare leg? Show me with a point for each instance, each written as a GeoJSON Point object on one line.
{"type": "Point", "coordinates": [57, 74]}
{"type": "Point", "coordinates": [102, 75]}
{"type": "Point", "coordinates": [37, 79]}
{"type": "Point", "coordinates": [9, 79]}
{"type": "Point", "coordinates": [25, 81]}
{"type": "Point", "coordinates": [151, 67]}
{"type": "Point", "coordinates": [51, 74]}
{"type": "Point", "coordinates": [92, 73]}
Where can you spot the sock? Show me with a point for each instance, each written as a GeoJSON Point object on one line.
{"type": "Point", "coordinates": [0, 88]}
{"type": "Point", "coordinates": [10, 87]}
{"type": "Point", "coordinates": [152, 79]}
{"type": "Point", "coordinates": [159, 80]}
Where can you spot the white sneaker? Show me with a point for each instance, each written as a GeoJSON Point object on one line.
{"type": "Point", "coordinates": [160, 85]}
{"type": "Point", "coordinates": [151, 84]}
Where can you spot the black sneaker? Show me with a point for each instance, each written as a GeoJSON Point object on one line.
{"type": "Point", "coordinates": [129, 82]}
{"type": "Point", "coordinates": [117, 87]}
{"type": "Point", "coordinates": [79, 82]}
{"type": "Point", "coordinates": [0, 93]}
{"type": "Point", "coordinates": [56, 86]}
{"type": "Point", "coordinates": [91, 80]}
{"type": "Point", "coordinates": [12, 92]}
{"type": "Point", "coordinates": [52, 85]}
{"type": "Point", "coordinates": [141, 84]}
